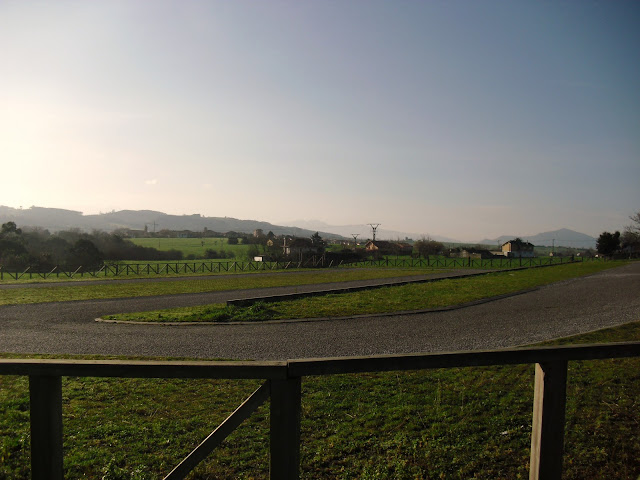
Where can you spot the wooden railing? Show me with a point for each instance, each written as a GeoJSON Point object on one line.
{"type": "Point", "coordinates": [208, 267]}
{"type": "Point", "coordinates": [283, 386]}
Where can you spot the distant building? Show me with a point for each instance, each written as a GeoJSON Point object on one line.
{"type": "Point", "coordinates": [473, 253]}
{"type": "Point", "coordinates": [404, 248]}
{"type": "Point", "coordinates": [299, 247]}
{"type": "Point", "coordinates": [517, 248]}
{"type": "Point", "coordinates": [381, 247]}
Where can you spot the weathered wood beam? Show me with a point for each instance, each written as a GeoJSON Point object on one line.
{"type": "Point", "coordinates": [384, 363]}
{"type": "Point", "coordinates": [143, 369]}
{"type": "Point", "coordinates": [45, 400]}
{"type": "Point", "coordinates": [285, 429]}
{"type": "Point", "coordinates": [547, 434]}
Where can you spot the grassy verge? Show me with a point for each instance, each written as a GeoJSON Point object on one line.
{"type": "Point", "coordinates": [447, 423]}
{"type": "Point", "coordinates": [142, 289]}
{"type": "Point", "coordinates": [390, 299]}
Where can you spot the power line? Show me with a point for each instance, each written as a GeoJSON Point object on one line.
{"type": "Point", "coordinates": [374, 228]}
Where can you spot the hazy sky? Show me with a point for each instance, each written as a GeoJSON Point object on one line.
{"type": "Point", "coordinates": [460, 118]}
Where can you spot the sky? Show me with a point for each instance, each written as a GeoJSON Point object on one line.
{"type": "Point", "coordinates": [460, 118]}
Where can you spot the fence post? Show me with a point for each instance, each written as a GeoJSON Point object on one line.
{"type": "Point", "coordinates": [45, 393]}
{"type": "Point", "coordinates": [285, 429]}
{"type": "Point", "coordinates": [547, 434]}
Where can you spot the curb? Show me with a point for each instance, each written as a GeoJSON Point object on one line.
{"type": "Point", "coordinates": [323, 319]}
{"type": "Point", "coordinates": [245, 302]}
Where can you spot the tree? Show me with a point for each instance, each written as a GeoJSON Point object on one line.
{"type": "Point", "coordinates": [317, 240]}
{"type": "Point", "coordinates": [9, 227]}
{"type": "Point", "coordinates": [253, 251]}
{"type": "Point", "coordinates": [427, 246]}
{"type": "Point", "coordinates": [85, 254]}
{"type": "Point", "coordinates": [517, 243]}
{"type": "Point", "coordinates": [608, 243]}
{"type": "Point", "coordinates": [13, 248]}
{"type": "Point", "coordinates": [630, 239]}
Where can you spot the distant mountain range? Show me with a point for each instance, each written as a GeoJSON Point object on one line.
{"type": "Point", "coordinates": [560, 238]}
{"type": "Point", "coordinates": [563, 237]}
{"type": "Point", "coordinates": [56, 219]}
{"type": "Point", "coordinates": [364, 231]}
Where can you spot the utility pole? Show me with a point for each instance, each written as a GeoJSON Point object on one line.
{"type": "Point", "coordinates": [374, 227]}
{"type": "Point", "coordinates": [355, 239]}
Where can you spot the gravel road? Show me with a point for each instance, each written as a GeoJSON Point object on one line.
{"type": "Point", "coordinates": [580, 305]}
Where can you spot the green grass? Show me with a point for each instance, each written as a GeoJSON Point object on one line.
{"type": "Point", "coordinates": [59, 293]}
{"type": "Point", "coordinates": [446, 423]}
{"type": "Point", "coordinates": [442, 293]}
{"type": "Point", "coordinates": [194, 246]}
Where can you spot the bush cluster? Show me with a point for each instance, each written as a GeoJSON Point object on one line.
{"type": "Point", "coordinates": [41, 250]}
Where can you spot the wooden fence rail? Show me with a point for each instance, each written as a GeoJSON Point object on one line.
{"type": "Point", "coordinates": [177, 268]}
{"type": "Point", "coordinates": [283, 386]}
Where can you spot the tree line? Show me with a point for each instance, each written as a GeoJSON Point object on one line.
{"type": "Point", "coordinates": [40, 250]}
{"type": "Point", "coordinates": [626, 243]}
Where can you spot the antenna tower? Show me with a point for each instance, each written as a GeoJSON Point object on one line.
{"type": "Point", "coordinates": [374, 228]}
{"type": "Point", "coordinates": [355, 239]}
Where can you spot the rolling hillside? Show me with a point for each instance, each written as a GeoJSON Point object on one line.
{"type": "Point", "coordinates": [55, 219]}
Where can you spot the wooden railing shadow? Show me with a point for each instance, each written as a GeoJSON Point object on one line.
{"type": "Point", "coordinates": [283, 386]}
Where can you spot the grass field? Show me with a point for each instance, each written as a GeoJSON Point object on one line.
{"type": "Point", "coordinates": [194, 246]}
{"type": "Point", "coordinates": [448, 423]}
{"type": "Point", "coordinates": [389, 299]}
{"type": "Point", "coordinates": [59, 293]}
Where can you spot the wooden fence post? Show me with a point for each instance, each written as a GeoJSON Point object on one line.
{"type": "Point", "coordinates": [285, 429]}
{"type": "Point", "coordinates": [547, 434]}
{"type": "Point", "coordinates": [45, 394]}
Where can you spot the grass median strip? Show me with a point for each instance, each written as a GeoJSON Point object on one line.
{"type": "Point", "coordinates": [221, 283]}
{"type": "Point", "coordinates": [442, 293]}
{"type": "Point", "coordinates": [446, 423]}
